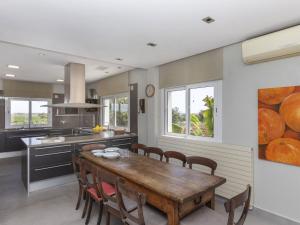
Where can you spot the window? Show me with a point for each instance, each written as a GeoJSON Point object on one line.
{"type": "Point", "coordinates": [116, 112]}
{"type": "Point", "coordinates": [176, 111]}
{"type": "Point", "coordinates": [194, 111]}
{"type": "Point", "coordinates": [39, 115]}
{"type": "Point", "coordinates": [27, 113]}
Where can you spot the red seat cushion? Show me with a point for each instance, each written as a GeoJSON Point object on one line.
{"type": "Point", "coordinates": [107, 188]}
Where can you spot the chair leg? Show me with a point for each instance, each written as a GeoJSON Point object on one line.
{"type": "Point", "coordinates": [89, 211]}
{"type": "Point", "coordinates": [107, 217]}
{"type": "Point", "coordinates": [84, 195]}
{"type": "Point", "coordinates": [100, 213]}
{"type": "Point", "coordinates": [88, 199]}
{"type": "Point", "coordinates": [79, 197]}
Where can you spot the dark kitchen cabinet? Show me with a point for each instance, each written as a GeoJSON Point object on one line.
{"type": "Point", "coordinates": [2, 142]}
{"type": "Point", "coordinates": [13, 140]}
{"type": "Point", "coordinates": [50, 161]}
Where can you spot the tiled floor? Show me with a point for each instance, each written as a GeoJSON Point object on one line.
{"type": "Point", "coordinates": [55, 206]}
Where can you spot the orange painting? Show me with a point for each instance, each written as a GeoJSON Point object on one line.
{"type": "Point", "coordinates": [279, 124]}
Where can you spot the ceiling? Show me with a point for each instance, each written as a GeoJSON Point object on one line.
{"type": "Point", "coordinates": [46, 66]}
{"type": "Point", "coordinates": [108, 29]}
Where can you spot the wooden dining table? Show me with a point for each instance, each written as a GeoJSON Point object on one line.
{"type": "Point", "coordinates": [173, 189]}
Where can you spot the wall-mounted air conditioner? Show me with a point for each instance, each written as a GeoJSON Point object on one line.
{"type": "Point", "coordinates": [280, 44]}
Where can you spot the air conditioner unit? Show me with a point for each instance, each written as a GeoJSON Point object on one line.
{"type": "Point", "coordinates": [280, 44]}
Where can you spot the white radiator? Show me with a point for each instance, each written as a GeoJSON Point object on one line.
{"type": "Point", "coordinates": [235, 163]}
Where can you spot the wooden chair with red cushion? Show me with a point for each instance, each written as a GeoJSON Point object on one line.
{"type": "Point", "coordinates": [110, 201]}
{"type": "Point", "coordinates": [175, 155]}
{"type": "Point", "coordinates": [154, 150]}
{"type": "Point", "coordinates": [93, 193]}
{"type": "Point", "coordinates": [77, 168]}
{"type": "Point", "coordinates": [91, 147]}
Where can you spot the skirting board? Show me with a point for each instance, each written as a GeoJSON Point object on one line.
{"type": "Point", "coordinates": [280, 217]}
{"type": "Point", "coordinates": [5, 155]}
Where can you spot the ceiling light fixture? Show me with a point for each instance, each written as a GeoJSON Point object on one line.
{"type": "Point", "coordinates": [60, 80]}
{"type": "Point", "coordinates": [13, 66]}
{"type": "Point", "coordinates": [208, 19]}
{"type": "Point", "coordinates": [151, 44]}
{"type": "Point", "coordinates": [10, 75]}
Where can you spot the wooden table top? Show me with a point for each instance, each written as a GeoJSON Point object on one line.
{"type": "Point", "coordinates": [172, 181]}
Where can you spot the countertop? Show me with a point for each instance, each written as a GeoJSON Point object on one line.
{"type": "Point", "coordinates": [40, 129]}
{"type": "Point", "coordinates": [37, 142]}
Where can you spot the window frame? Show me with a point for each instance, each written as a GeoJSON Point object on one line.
{"type": "Point", "coordinates": [29, 125]}
{"type": "Point", "coordinates": [217, 111]}
{"type": "Point", "coordinates": [103, 98]}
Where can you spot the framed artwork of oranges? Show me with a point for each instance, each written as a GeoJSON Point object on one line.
{"type": "Point", "coordinates": [279, 124]}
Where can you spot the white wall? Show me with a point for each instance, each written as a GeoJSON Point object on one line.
{"type": "Point", "coordinates": [277, 186]}
{"type": "Point", "coordinates": [58, 88]}
{"type": "Point", "coordinates": [152, 108]}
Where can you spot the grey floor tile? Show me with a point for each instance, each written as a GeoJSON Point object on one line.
{"type": "Point", "coordinates": [56, 206]}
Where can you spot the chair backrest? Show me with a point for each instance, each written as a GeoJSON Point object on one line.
{"type": "Point", "coordinates": [124, 189]}
{"type": "Point", "coordinates": [135, 147]}
{"type": "Point", "coordinates": [104, 176]}
{"type": "Point", "coordinates": [87, 168]}
{"type": "Point", "coordinates": [92, 147]}
{"type": "Point", "coordinates": [154, 150]}
{"type": "Point", "coordinates": [202, 161]}
{"type": "Point", "coordinates": [235, 202]}
{"type": "Point", "coordinates": [175, 155]}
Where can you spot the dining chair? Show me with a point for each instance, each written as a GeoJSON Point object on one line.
{"type": "Point", "coordinates": [135, 147]}
{"type": "Point", "coordinates": [202, 161]}
{"type": "Point", "coordinates": [175, 155]}
{"type": "Point", "coordinates": [207, 216]}
{"type": "Point", "coordinates": [110, 201]}
{"type": "Point", "coordinates": [91, 147]}
{"type": "Point", "coordinates": [154, 150]}
{"type": "Point", "coordinates": [77, 168]}
{"type": "Point", "coordinates": [143, 214]}
{"type": "Point", "coordinates": [93, 194]}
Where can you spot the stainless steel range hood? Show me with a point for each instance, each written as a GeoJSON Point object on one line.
{"type": "Point", "coordinates": [75, 88]}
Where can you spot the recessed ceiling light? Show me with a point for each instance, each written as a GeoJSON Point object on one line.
{"type": "Point", "coordinates": [60, 80]}
{"type": "Point", "coordinates": [208, 19]}
{"type": "Point", "coordinates": [10, 75]}
{"type": "Point", "coordinates": [151, 44]}
{"type": "Point", "coordinates": [102, 68]}
{"type": "Point", "coordinates": [13, 66]}
{"type": "Point", "coordinates": [119, 59]}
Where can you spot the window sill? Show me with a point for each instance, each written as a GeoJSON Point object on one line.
{"type": "Point", "coordinates": [190, 138]}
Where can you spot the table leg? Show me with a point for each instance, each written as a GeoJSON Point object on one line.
{"type": "Point", "coordinates": [211, 203]}
{"type": "Point", "coordinates": [173, 214]}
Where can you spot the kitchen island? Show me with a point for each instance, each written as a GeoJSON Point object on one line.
{"type": "Point", "coordinates": [47, 161]}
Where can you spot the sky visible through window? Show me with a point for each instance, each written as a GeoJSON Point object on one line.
{"type": "Point", "coordinates": [196, 99]}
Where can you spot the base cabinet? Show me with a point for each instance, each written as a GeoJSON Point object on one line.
{"type": "Point", "coordinates": [56, 160]}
